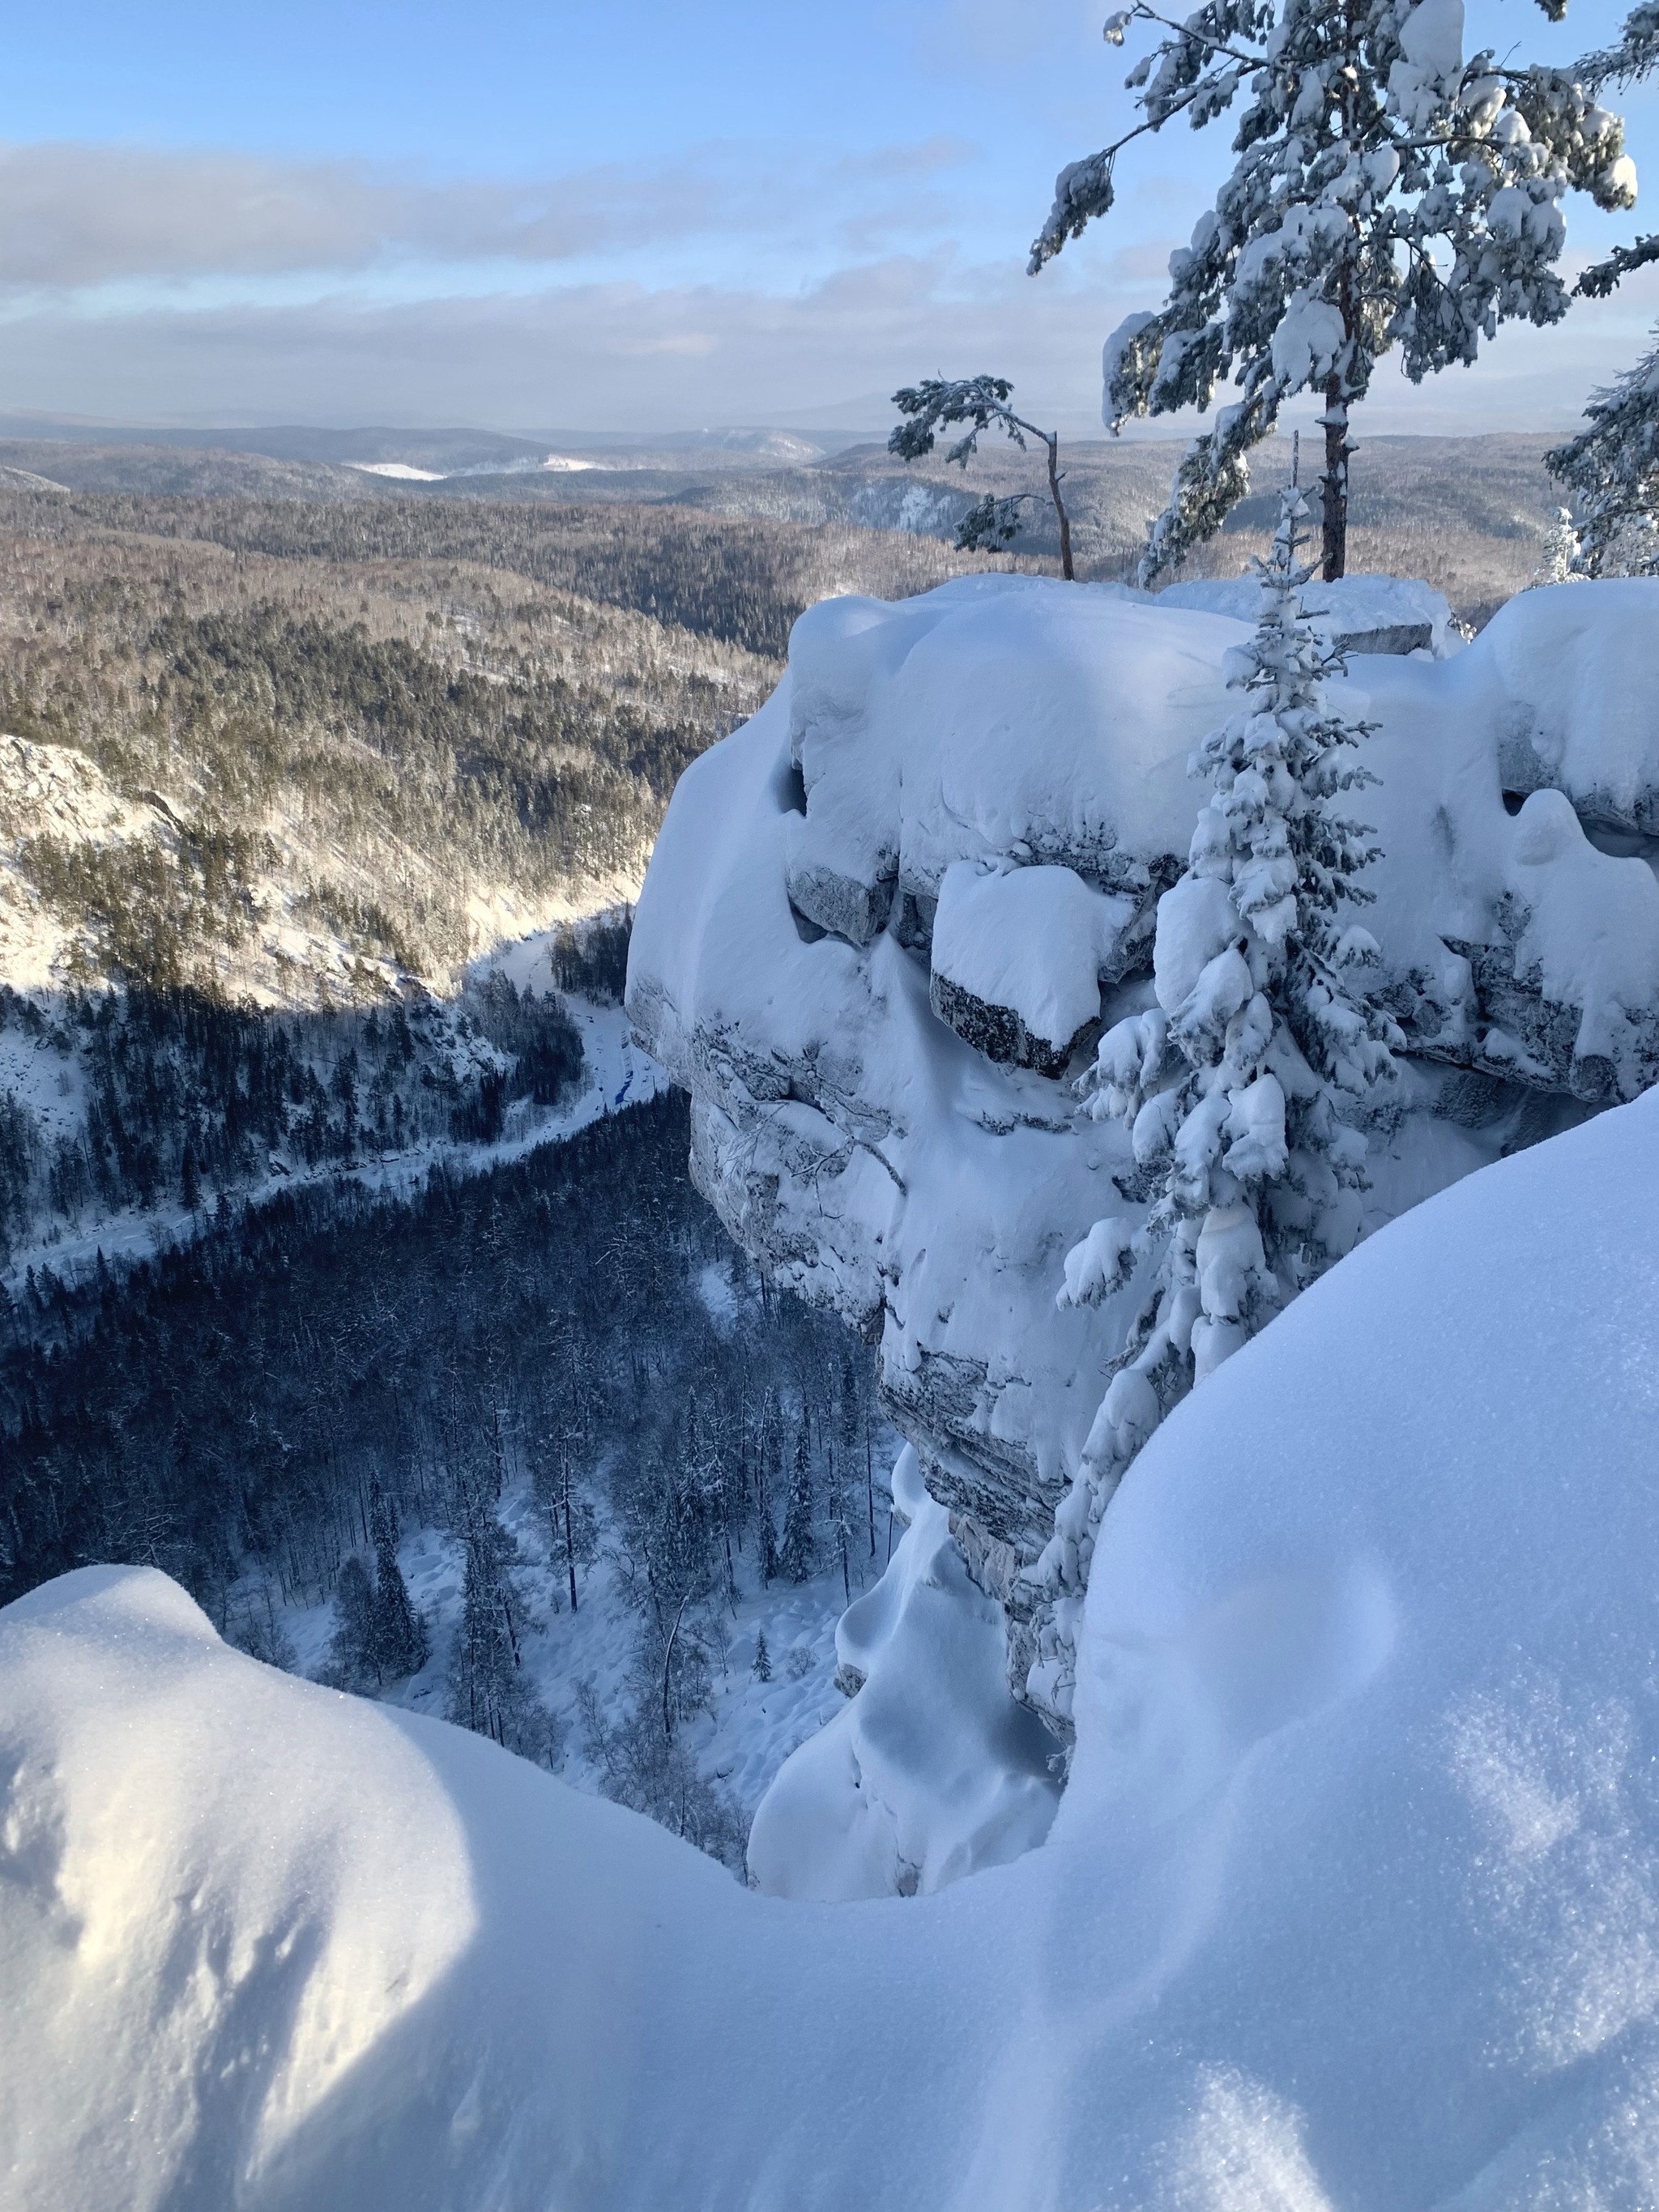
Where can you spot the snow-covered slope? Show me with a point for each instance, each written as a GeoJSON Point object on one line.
{"type": "Point", "coordinates": [1354, 1900]}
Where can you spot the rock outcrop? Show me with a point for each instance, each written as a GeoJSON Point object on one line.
{"type": "Point", "coordinates": [886, 918]}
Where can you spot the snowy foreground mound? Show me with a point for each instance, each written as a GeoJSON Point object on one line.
{"type": "Point", "coordinates": [1352, 1902]}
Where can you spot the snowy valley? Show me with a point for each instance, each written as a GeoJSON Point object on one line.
{"type": "Point", "coordinates": [716, 1403]}
{"type": "Point", "coordinates": [829, 1233]}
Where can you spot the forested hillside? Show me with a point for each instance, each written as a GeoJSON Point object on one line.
{"type": "Point", "coordinates": [567, 1347]}
{"type": "Point", "coordinates": [293, 753]}
{"type": "Point", "coordinates": [140, 1099]}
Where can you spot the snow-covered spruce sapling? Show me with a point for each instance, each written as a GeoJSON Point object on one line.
{"type": "Point", "coordinates": [1386, 193]}
{"type": "Point", "coordinates": [1559, 561]}
{"type": "Point", "coordinates": [1612, 469]}
{"type": "Point", "coordinates": [980, 401]}
{"type": "Point", "coordinates": [1248, 1086]}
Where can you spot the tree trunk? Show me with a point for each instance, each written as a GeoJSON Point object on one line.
{"type": "Point", "coordinates": [1333, 534]}
{"type": "Point", "coordinates": [1333, 483]}
{"type": "Point", "coordinates": [1053, 444]}
{"type": "Point", "coordinates": [667, 1660]}
{"type": "Point", "coordinates": [569, 1542]}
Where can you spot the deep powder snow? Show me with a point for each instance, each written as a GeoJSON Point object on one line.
{"type": "Point", "coordinates": [1353, 1899]}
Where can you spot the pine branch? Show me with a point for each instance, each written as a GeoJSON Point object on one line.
{"type": "Point", "coordinates": [1603, 277]}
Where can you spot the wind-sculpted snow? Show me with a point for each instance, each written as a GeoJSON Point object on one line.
{"type": "Point", "coordinates": [931, 1770]}
{"type": "Point", "coordinates": [1352, 1901]}
{"type": "Point", "coordinates": [882, 914]}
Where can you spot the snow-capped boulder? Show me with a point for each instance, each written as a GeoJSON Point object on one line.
{"type": "Point", "coordinates": [843, 851]}
{"type": "Point", "coordinates": [984, 722]}
{"type": "Point", "coordinates": [1018, 955]}
{"type": "Point", "coordinates": [1356, 614]}
{"type": "Point", "coordinates": [1571, 700]}
{"type": "Point", "coordinates": [880, 1118]}
{"type": "Point", "coordinates": [1353, 1900]}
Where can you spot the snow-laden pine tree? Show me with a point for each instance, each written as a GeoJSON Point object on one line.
{"type": "Point", "coordinates": [1633, 57]}
{"type": "Point", "coordinates": [489, 1690]}
{"type": "Point", "coordinates": [1386, 193]}
{"type": "Point", "coordinates": [352, 1651]}
{"type": "Point", "coordinates": [1612, 470]}
{"type": "Point", "coordinates": [1248, 1087]}
{"type": "Point", "coordinates": [980, 402]}
{"type": "Point", "coordinates": [798, 1553]}
{"type": "Point", "coordinates": [1559, 558]}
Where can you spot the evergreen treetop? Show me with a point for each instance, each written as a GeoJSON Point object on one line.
{"type": "Point", "coordinates": [1386, 193]}
{"type": "Point", "coordinates": [1613, 470]}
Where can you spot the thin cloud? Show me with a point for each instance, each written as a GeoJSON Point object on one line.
{"type": "Point", "coordinates": [627, 355]}
{"type": "Point", "coordinates": [575, 354]}
{"type": "Point", "coordinates": [74, 216]}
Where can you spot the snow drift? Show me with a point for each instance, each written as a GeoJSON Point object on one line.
{"type": "Point", "coordinates": [931, 1770]}
{"type": "Point", "coordinates": [1352, 1902]}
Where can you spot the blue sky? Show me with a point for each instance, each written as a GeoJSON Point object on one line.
{"type": "Point", "coordinates": [630, 217]}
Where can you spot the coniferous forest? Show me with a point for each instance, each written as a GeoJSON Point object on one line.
{"type": "Point", "coordinates": [263, 1411]}
{"type": "Point", "coordinates": [293, 1296]}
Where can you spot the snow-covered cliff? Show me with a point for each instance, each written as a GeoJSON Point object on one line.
{"type": "Point", "coordinates": [886, 919]}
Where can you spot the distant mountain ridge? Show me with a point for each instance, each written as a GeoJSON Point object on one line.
{"type": "Point", "coordinates": [445, 450]}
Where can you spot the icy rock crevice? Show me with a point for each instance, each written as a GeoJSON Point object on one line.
{"type": "Point", "coordinates": [998, 775]}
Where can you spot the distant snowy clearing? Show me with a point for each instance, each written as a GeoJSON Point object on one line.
{"type": "Point", "coordinates": [1354, 1900]}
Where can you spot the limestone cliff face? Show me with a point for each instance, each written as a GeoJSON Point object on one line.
{"type": "Point", "coordinates": [886, 918]}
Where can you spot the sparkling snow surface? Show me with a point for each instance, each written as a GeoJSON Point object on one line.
{"type": "Point", "coordinates": [1354, 1900]}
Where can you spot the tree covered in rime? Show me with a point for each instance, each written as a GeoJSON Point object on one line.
{"type": "Point", "coordinates": [399, 1633]}
{"type": "Point", "coordinates": [941, 403]}
{"type": "Point", "coordinates": [1248, 1086]}
{"type": "Point", "coordinates": [797, 1554]}
{"type": "Point", "coordinates": [1558, 556]}
{"type": "Point", "coordinates": [1386, 193]}
{"type": "Point", "coordinates": [488, 1688]}
{"type": "Point", "coordinates": [352, 1652]}
{"type": "Point", "coordinates": [1633, 56]}
{"type": "Point", "coordinates": [1612, 470]}
{"type": "Point", "coordinates": [378, 1637]}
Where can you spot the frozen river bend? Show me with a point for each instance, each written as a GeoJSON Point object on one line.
{"type": "Point", "coordinates": [1352, 1902]}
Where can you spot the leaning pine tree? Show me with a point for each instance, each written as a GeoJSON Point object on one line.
{"type": "Point", "coordinates": [1612, 470]}
{"type": "Point", "coordinates": [1386, 193]}
{"type": "Point", "coordinates": [980, 402]}
{"type": "Point", "coordinates": [1248, 1088]}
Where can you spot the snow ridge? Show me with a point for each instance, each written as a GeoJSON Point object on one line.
{"type": "Point", "coordinates": [1343, 1906]}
